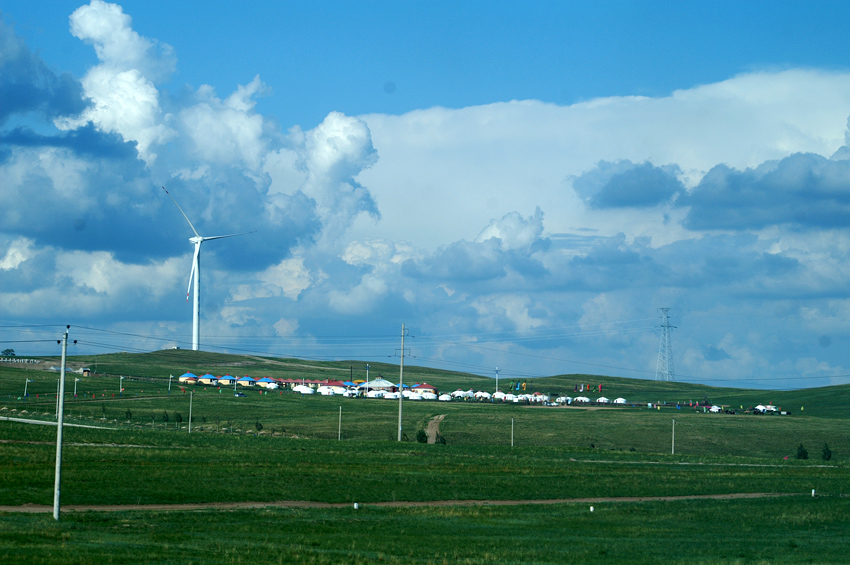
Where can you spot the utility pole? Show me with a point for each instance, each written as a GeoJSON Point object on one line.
{"type": "Point", "coordinates": [497, 379]}
{"type": "Point", "coordinates": [367, 378]}
{"type": "Point", "coordinates": [60, 415]}
{"type": "Point", "coordinates": [401, 382]}
{"type": "Point", "coordinates": [191, 397]}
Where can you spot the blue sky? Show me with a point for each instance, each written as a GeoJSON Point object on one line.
{"type": "Point", "coordinates": [523, 186]}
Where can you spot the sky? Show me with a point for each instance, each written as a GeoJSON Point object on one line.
{"type": "Point", "coordinates": [522, 186]}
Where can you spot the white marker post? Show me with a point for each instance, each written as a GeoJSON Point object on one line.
{"type": "Point", "coordinates": [673, 446]}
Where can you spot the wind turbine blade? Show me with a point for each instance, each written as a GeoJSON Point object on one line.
{"type": "Point", "coordinates": [192, 272]}
{"type": "Point", "coordinates": [182, 212]}
{"type": "Point", "coordinates": [228, 235]}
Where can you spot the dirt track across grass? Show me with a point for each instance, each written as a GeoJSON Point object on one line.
{"type": "Point", "coordinates": [434, 428]}
{"type": "Point", "coordinates": [43, 508]}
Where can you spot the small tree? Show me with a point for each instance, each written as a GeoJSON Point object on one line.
{"type": "Point", "coordinates": [802, 453]}
{"type": "Point", "coordinates": [259, 426]}
{"type": "Point", "coordinates": [827, 453]}
{"type": "Point", "coordinates": [8, 353]}
{"type": "Point", "coordinates": [165, 419]}
{"type": "Point", "coordinates": [178, 418]}
{"type": "Point", "coordinates": [422, 436]}
{"type": "Point", "coordinates": [128, 414]}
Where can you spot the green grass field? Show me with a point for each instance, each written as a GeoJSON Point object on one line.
{"type": "Point", "coordinates": [294, 454]}
{"type": "Point", "coordinates": [795, 530]}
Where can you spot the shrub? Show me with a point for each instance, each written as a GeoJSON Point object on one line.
{"type": "Point", "coordinates": [421, 436]}
{"type": "Point", "coordinates": [802, 453]}
{"type": "Point", "coordinates": [259, 426]}
{"type": "Point", "coordinates": [827, 453]}
{"type": "Point", "coordinates": [440, 439]}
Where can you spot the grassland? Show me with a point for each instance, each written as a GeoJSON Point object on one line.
{"type": "Point", "coordinates": [735, 531]}
{"type": "Point", "coordinates": [558, 453]}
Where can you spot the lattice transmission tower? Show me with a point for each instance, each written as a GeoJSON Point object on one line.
{"type": "Point", "coordinates": [664, 368]}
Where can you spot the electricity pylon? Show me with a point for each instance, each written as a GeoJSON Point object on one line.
{"type": "Point", "coordinates": [664, 368]}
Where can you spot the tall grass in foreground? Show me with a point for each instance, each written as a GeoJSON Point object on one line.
{"type": "Point", "coordinates": [789, 530]}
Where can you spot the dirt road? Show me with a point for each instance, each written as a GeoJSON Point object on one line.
{"type": "Point", "coordinates": [43, 508]}
{"type": "Point", "coordinates": [434, 428]}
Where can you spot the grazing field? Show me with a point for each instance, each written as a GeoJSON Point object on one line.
{"type": "Point", "coordinates": [267, 448]}
{"type": "Point", "coordinates": [791, 530]}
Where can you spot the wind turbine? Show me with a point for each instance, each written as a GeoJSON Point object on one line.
{"type": "Point", "coordinates": [196, 272]}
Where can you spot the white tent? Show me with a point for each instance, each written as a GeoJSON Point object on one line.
{"type": "Point", "coordinates": [303, 389]}
{"type": "Point", "coordinates": [444, 397]}
{"type": "Point", "coordinates": [602, 400]}
{"type": "Point", "coordinates": [620, 400]}
{"type": "Point", "coordinates": [715, 409]}
{"type": "Point", "coordinates": [483, 394]}
{"type": "Point", "coordinates": [378, 384]}
{"type": "Point", "coordinates": [581, 399]}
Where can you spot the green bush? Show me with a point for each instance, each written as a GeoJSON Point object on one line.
{"type": "Point", "coordinates": [827, 453]}
{"type": "Point", "coordinates": [421, 436]}
{"type": "Point", "coordinates": [802, 453]}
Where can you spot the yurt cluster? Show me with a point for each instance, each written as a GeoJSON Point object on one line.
{"type": "Point", "coordinates": [377, 388]}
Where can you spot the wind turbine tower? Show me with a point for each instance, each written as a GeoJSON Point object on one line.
{"type": "Point", "coordinates": [195, 273]}
{"type": "Point", "coordinates": [664, 368]}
